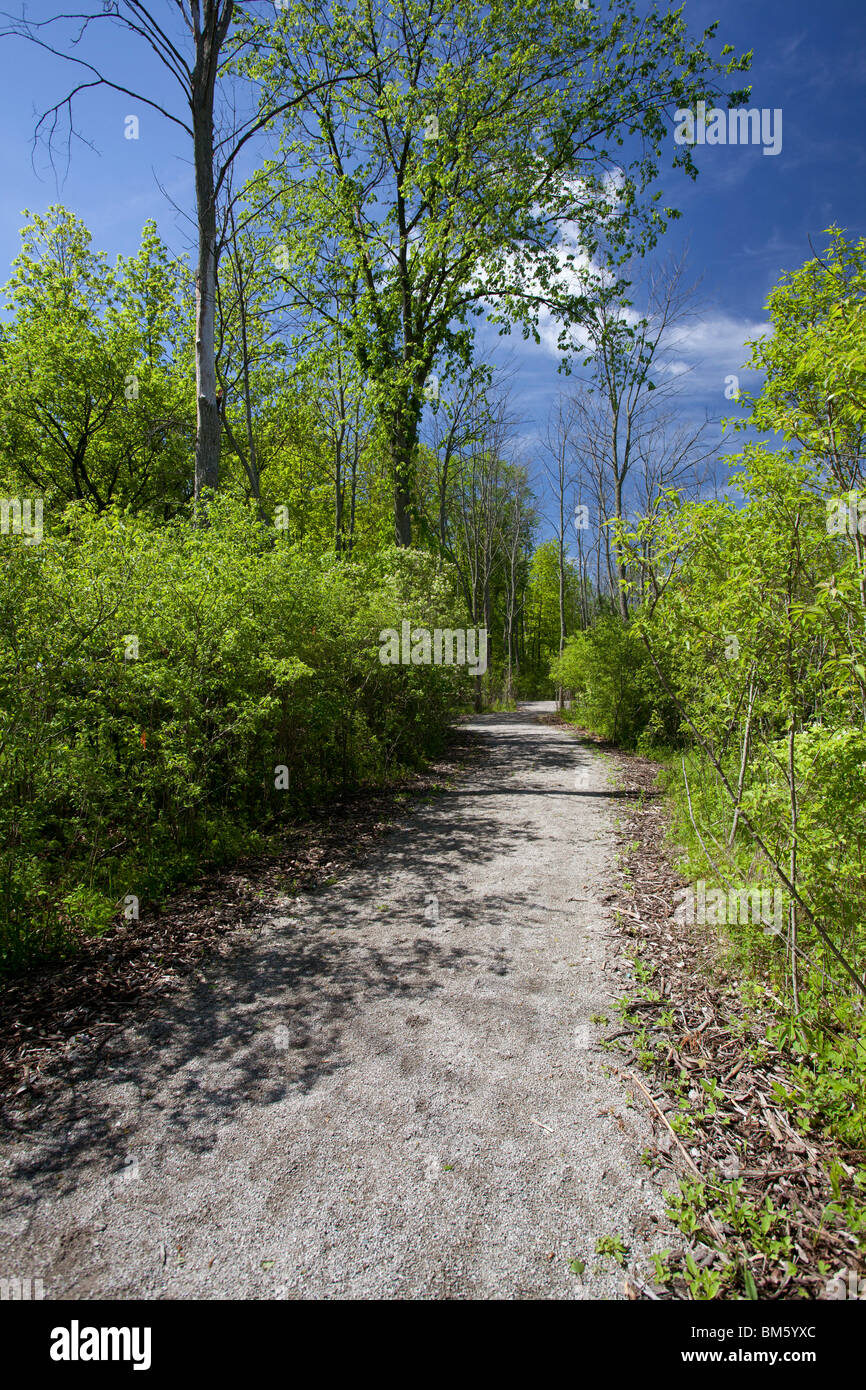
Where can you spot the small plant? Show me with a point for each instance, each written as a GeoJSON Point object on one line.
{"type": "Point", "coordinates": [643, 973]}
{"type": "Point", "coordinates": [614, 1247]}
{"type": "Point", "coordinates": [703, 1283]}
{"type": "Point", "coordinates": [663, 1274]}
{"type": "Point", "coordinates": [683, 1124]}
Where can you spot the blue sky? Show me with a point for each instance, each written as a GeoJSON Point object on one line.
{"type": "Point", "coordinates": [748, 217]}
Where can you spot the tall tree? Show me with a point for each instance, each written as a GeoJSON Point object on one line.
{"type": "Point", "coordinates": [93, 405]}
{"type": "Point", "coordinates": [438, 183]}
{"type": "Point", "coordinates": [204, 60]}
{"type": "Point", "coordinates": [619, 426]}
{"type": "Point", "coordinates": [558, 466]}
{"type": "Point", "coordinates": [517, 531]}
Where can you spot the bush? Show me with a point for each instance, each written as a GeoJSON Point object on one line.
{"type": "Point", "coordinates": [615, 691]}
{"type": "Point", "coordinates": [153, 680]}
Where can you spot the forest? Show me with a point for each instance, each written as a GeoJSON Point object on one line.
{"type": "Point", "coordinates": [232, 474]}
{"type": "Point", "coordinates": [250, 461]}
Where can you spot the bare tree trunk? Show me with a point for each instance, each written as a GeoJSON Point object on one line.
{"type": "Point", "coordinates": [401, 450]}
{"type": "Point", "coordinates": [208, 41]}
{"type": "Point", "coordinates": [253, 469]}
{"type": "Point", "coordinates": [353, 494]}
{"type": "Point", "coordinates": [339, 490]}
{"type": "Point", "coordinates": [622, 602]}
{"type": "Point", "coordinates": [402, 514]}
{"type": "Point", "coordinates": [240, 282]}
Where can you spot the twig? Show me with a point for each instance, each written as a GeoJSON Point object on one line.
{"type": "Point", "coordinates": [540, 1125]}
{"type": "Point", "coordinates": [666, 1123]}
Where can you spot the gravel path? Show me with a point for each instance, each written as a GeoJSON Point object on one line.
{"type": "Point", "coordinates": [391, 1092]}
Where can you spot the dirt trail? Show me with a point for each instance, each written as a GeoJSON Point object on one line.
{"type": "Point", "coordinates": [392, 1092]}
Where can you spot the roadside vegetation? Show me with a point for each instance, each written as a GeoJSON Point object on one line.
{"type": "Point", "coordinates": [742, 668]}
{"type": "Point", "coordinates": [225, 473]}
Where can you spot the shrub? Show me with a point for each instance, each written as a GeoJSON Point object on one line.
{"type": "Point", "coordinates": [615, 690]}
{"type": "Point", "coordinates": [152, 680]}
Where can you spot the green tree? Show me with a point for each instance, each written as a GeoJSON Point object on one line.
{"type": "Point", "coordinates": [201, 53]}
{"type": "Point", "coordinates": [94, 405]}
{"type": "Point", "coordinates": [436, 186]}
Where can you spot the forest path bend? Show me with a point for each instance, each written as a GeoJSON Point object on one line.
{"type": "Point", "coordinates": [392, 1092]}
